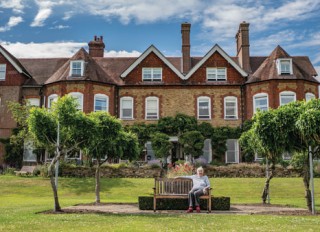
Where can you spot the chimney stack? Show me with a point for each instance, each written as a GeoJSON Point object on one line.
{"type": "Point", "coordinates": [96, 47]}
{"type": "Point", "coordinates": [186, 61]}
{"type": "Point", "coordinates": [243, 46]}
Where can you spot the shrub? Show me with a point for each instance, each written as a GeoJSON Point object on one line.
{"type": "Point", "coordinates": [201, 162]}
{"type": "Point", "coordinates": [154, 164]}
{"type": "Point", "coordinates": [9, 171]}
{"type": "Point", "coordinates": [180, 170]}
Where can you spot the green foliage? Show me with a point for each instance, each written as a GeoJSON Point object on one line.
{"type": "Point", "coordinates": [217, 203]}
{"type": "Point", "coordinates": [143, 132]}
{"type": "Point", "coordinates": [167, 125]}
{"type": "Point", "coordinates": [13, 152]}
{"type": "Point", "coordinates": [185, 123]}
{"type": "Point", "coordinates": [161, 145]}
{"type": "Point", "coordinates": [192, 142]}
{"type": "Point", "coordinates": [206, 129]}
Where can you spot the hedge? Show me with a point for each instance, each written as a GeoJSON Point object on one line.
{"type": "Point", "coordinates": [146, 203]}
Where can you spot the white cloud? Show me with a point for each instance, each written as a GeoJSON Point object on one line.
{"type": "Point", "coordinates": [42, 15]}
{"type": "Point", "coordinates": [43, 50]}
{"type": "Point", "coordinates": [13, 21]}
{"type": "Point", "coordinates": [59, 27]}
{"type": "Point", "coordinates": [318, 71]}
{"type": "Point", "coordinates": [15, 5]}
{"type": "Point", "coordinates": [122, 53]}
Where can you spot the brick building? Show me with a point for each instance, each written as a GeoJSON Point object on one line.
{"type": "Point", "coordinates": [216, 88]}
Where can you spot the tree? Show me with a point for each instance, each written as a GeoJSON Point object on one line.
{"type": "Point", "coordinates": [192, 142]}
{"type": "Point", "coordinates": [74, 127]}
{"type": "Point", "coordinates": [161, 145]}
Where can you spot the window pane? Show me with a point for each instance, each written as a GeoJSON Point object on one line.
{"type": "Point", "coordinates": [76, 68]}
{"type": "Point", "coordinates": [231, 108]}
{"type": "Point", "coordinates": [285, 66]}
{"type": "Point", "coordinates": [221, 74]}
{"type": "Point", "coordinates": [147, 74]}
{"type": "Point", "coordinates": [261, 103]}
{"type": "Point", "coordinates": [286, 98]}
{"type": "Point", "coordinates": [203, 107]}
{"type": "Point", "coordinates": [157, 74]}
{"type": "Point", "coordinates": [152, 109]}
{"type": "Point", "coordinates": [126, 104]}
{"type": "Point", "coordinates": [127, 113]}
{"type": "Point", "coordinates": [100, 104]}
{"type": "Point", "coordinates": [127, 108]}
{"type": "Point", "coordinates": [232, 153]}
{"type": "Point", "coordinates": [2, 71]}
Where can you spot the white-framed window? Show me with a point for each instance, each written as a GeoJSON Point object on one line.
{"type": "Point", "coordinates": [232, 153]}
{"type": "Point", "coordinates": [152, 74]}
{"type": "Point", "coordinates": [126, 108]}
{"type": "Point", "coordinates": [76, 68]}
{"type": "Point", "coordinates": [101, 102]}
{"type": "Point", "coordinates": [216, 74]}
{"type": "Point", "coordinates": [79, 98]}
{"type": "Point", "coordinates": [260, 101]}
{"type": "Point", "coordinates": [286, 156]}
{"type": "Point", "coordinates": [287, 97]}
{"type": "Point", "coordinates": [310, 96]}
{"type": "Point", "coordinates": [3, 68]}
{"type": "Point", "coordinates": [152, 108]}
{"type": "Point", "coordinates": [33, 101]}
{"type": "Point", "coordinates": [230, 107]}
{"type": "Point", "coordinates": [284, 66]}
{"type": "Point", "coordinates": [258, 157]}
{"type": "Point", "coordinates": [204, 108]}
{"type": "Point", "coordinates": [52, 98]}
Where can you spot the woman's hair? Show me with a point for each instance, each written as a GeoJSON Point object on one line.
{"type": "Point", "coordinates": [199, 168]}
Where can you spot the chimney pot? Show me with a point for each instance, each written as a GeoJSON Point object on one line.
{"type": "Point", "coordinates": [96, 47]}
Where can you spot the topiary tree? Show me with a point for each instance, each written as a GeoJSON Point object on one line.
{"type": "Point", "coordinates": [192, 142]}
{"type": "Point", "coordinates": [161, 145]}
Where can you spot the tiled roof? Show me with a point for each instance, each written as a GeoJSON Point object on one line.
{"type": "Point", "coordinates": [301, 65]}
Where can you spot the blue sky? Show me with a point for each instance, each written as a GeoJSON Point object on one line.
{"type": "Point", "coordinates": [58, 28]}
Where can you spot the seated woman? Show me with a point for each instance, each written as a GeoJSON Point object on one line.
{"type": "Point", "coordinates": [200, 187]}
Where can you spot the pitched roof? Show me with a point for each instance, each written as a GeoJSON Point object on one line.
{"type": "Point", "coordinates": [153, 49]}
{"type": "Point", "coordinates": [301, 66]}
{"type": "Point", "coordinates": [14, 61]}
{"type": "Point", "coordinates": [92, 71]}
{"type": "Point", "coordinates": [216, 48]}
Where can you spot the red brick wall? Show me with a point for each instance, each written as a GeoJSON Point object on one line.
{"type": "Point", "coordinates": [13, 77]}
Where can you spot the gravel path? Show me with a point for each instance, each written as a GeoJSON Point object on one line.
{"type": "Point", "coordinates": [235, 209]}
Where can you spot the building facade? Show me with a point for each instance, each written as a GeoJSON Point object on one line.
{"type": "Point", "coordinates": [216, 88]}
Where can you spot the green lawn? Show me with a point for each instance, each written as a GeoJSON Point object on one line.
{"type": "Point", "coordinates": [22, 197]}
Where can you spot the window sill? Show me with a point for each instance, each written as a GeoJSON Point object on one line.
{"type": "Point", "coordinates": [231, 119]}
{"type": "Point", "coordinates": [204, 119]}
{"type": "Point", "coordinates": [127, 119]}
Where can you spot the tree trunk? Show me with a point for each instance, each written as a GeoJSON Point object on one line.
{"type": "Point", "coordinates": [51, 172]}
{"type": "Point", "coordinates": [98, 182]}
{"type": "Point", "coordinates": [306, 182]}
{"type": "Point", "coordinates": [265, 191]}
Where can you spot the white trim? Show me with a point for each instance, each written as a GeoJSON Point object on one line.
{"type": "Point", "coordinates": [152, 74]}
{"type": "Point", "coordinates": [99, 95]}
{"type": "Point", "coordinates": [121, 115]}
{"type": "Point", "coordinates": [235, 99]}
{"type": "Point", "coordinates": [54, 98]}
{"type": "Point", "coordinates": [82, 68]}
{"type": "Point", "coordinates": [310, 96]}
{"type": "Point", "coordinates": [215, 48]}
{"type": "Point", "coordinates": [215, 69]}
{"type": "Point", "coordinates": [152, 48]}
{"type": "Point", "coordinates": [259, 95]}
{"type": "Point", "coordinates": [236, 151]}
{"type": "Point", "coordinates": [281, 94]}
{"type": "Point", "coordinates": [203, 98]}
{"type": "Point", "coordinates": [146, 107]}
{"type": "Point", "coordinates": [279, 60]}
{"type": "Point", "coordinates": [78, 96]}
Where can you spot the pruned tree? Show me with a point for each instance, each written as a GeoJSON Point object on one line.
{"type": "Point", "coordinates": [161, 145]}
{"type": "Point", "coordinates": [192, 142]}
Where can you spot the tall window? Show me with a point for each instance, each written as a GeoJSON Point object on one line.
{"type": "Point", "coordinates": [152, 74]}
{"type": "Point", "coordinates": [230, 108]}
{"type": "Point", "coordinates": [126, 106]}
{"type": "Point", "coordinates": [260, 101]}
{"type": "Point", "coordinates": [101, 102]}
{"type": "Point", "coordinates": [284, 66]}
{"type": "Point", "coordinates": [3, 71]}
{"type": "Point", "coordinates": [152, 108]}
{"type": "Point", "coordinates": [216, 74]}
{"type": "Point", "coordinates": [52, 98]}
{"type": "Point", "coordinates": [310, 96]}
{"type": "Point", "coordinates": [232, 153]}
{"type": "Point", "coordinates": [79, 98]}
{"type": "Point", "coordinates": [76, 68]}
{"type": "Point", "coordinates": [204, 108]}
{"type": "Point", "coordinates": [287, 97]}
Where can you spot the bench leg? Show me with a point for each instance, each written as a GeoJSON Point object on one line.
{"type": "Point", "coordinates": [154, 204]}
{"type": "Point", "coordinates": [209, 205]}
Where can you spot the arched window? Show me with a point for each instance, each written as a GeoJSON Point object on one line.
{"type": "Point", "coordinates": [79, 98]}
{"type": "Point", "coordinates": [310, 96]}
{"type": "Point", "coordinates": [287, 97]}
{"type": "Point", "coordinates": [52, 98]}
{"type": "Point", "coordinates": [204, 108]}
{"type": "Point", "coordinates": [260, 101]}
{"type": "Point", "coordinates": [101, 102]}
{"type": "Point", "coordinates": [33, 101]}
{"type": "Point", "coordinates": [152, 108]}
{"type": "Point", "coordinates": [230, 107]}
{"type": "Point", "coordinates": [126, 108]}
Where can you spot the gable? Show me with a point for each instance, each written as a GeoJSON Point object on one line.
{"type": "Point", "coordinates": [12, 75]}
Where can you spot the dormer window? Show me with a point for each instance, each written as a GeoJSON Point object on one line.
{"type": "Point", "coordinates": [284, 66]}
{"type": "Point", "coordinates": [216, 74]}
{"type": "Point", "coordinates": [152, 74]}
{"type": "Point", "coordinates": [76, 68]}
{"type": "Point", "coordinates": [3, 71]}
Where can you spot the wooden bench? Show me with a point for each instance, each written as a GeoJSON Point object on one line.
{"type": "Point", "coordinates": [25, 170]}
{"type": "Point", "coordinates": [175, 188]}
